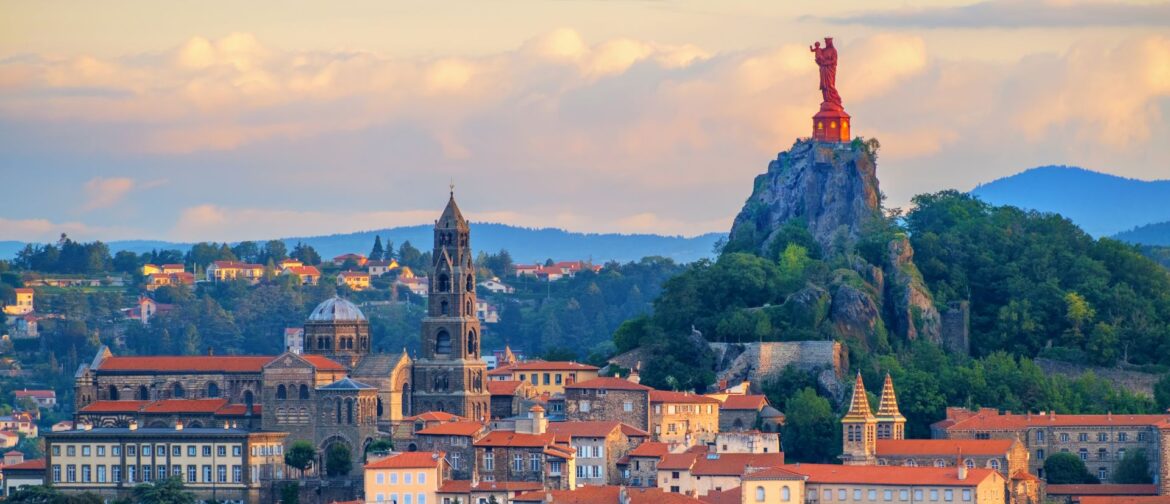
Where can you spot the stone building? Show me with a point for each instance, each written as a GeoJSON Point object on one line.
{"type": "Point", "coordinates": [527, 454]}
{"type": "Point", "coordinates": [456, 439]}
{"type": "Point", "coordinates": [641, 464]}
{"type": "Point", "coordinates": [746, 442]}
{"type": "Point", "coordinates": [1099, 440]}
{"type": "Point", "coordinates": [545, 376]}
{"type": "Point", "coordinates": [741, 412]}
{"type": "Point", "coordinates": [508, 397]}
{"type": "Point", "coordinates": [599, 446]}
{"type": "Point", "coordinates": [858, 484]}
{"type": "Point", "coordinates": [338, 330]}
{"type": "Point", "coordinates": [193, 413]}
{"type": "Point", "coordinates": [450, 374]}
{"type": "Point", "coordinates": [683, 418]}
{"type": "Point", "coordinates": [698, 473]}
{"type": "Point", "coordinates": [609, 399]}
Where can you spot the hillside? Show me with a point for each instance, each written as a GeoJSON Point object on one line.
{"type": "Point", "coordinates": [524, 244]}
{"type": "Point", "coordinates": [1101, 204]}
{"type": "Point", "coordinates": [1150, 234]}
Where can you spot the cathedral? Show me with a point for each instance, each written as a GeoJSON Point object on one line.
{"type": "Point", "coordinates": [334, 389]}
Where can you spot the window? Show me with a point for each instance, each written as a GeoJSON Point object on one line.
{"type": "Point", "coordinates": [86, 473]}
{"type": "Point", "coordinates": [176, 451]}
{"type": "Point", "coordinates": [534, 462]}
{"type": "Point", "coordinates": [57, 450]}
{"type": "Point", "coordinates": [221, 473]}
{"type": "Point", "coordinates": [407, 499]}
{"type": "Point", "coordinates": [380, 478]}
{"type": "Point", "coordinates": [422, 478]}
{"type": "Point", "coordinates": [628, 406]}
{"type": "Point", "coordinates": [1102, 474]}
{"type": "Point", "coordinates": [237, 474]}
{"type": "Point", "coordinates": [918, 494]}
{"type": "Point", "coordinates": [1063, 437]}
{"type": "Point", "coordinates": [71, 473]}
{"type": "Point", "coordinates": [85, 451]}
{"type": "Point", "coordinates": [56, 474]}
{"type": "Point", "coordinates": [948, 495]}
{"type": "Point", "coordinates": [1141, 437]}
{"type": "Point", "coordinates": [1040, 454]}
{"type": "Point", "coordinates": [674, 489]}
{"type": "Point", "coordinates": [558, 379]}
{"type": "Point", "coordinates": [221, 451]}
{"type": "Point", "coordinates": [1083, 437]}
{"type": "Point", "coordinates": [785, 494]}
{"type": "Point", "coordinates": [206, 450]}
{"type": "Point", "coordinates": [857, 494]}
{"type": "Point", "coordinates": [1122, 437]}
{"type": "Point", "coordinates": [393, 478]}
{"type": "Point", "coordinates": [966, 495]}
{"type": "Point", "coordinates": [1040, 436]}
{"type": "Point", "coordinates": [584, 406]}
{"type": "Point", "coordinates": [116, 474]}
{"type": "Point", "coordinates": [1083, 453]}
{"type": "Point", "coordinates": [547, 378]}
{"type": "Point", "coordinates": [236, 450]}
{"type": "Point", "coordinates": [116, 451]}
{"type": "Point", "coordinates": [1102, 437]}
{"type": "Point", "coordinates": [422, 499]}
{"type": "Point", "coordinates": [146, 450]}
{"type": "Point", "coordinates": [872, 494]}
{"type": "Point", "coordinates": [994, 464]}
{"type": "Point", "coordinates": [162, 472]}
{"type": "Point", "coordinates": [207, 474]}
{"type": "Point", "coordinates": [887, 495]}
{"type": "Point", "coordinates": [940, 463]}
{"type": "Point", "coordinates": [71, 450]}
{"type": "Point", "coordinates": [934, 494]}
{"type": "Point", "coordinates": [101, 474]}
{"type": "Point", "coordinates": [903, 494]}
{"type": "Point", "coordinates": [147, 473]}
{"type": "Point", "coordinates": [191, 476]}
{"type": "Point", "coordinates": [131, 471]}
{"type": "Point", "coordinates": [1120, 453]}
{"type": "Point", "coordinates": [1102, 454]}
{"type": "Point", "coordinates": [674, 475]}
{"type": "Point", "coordinates": [828, 494]}
{"type": "Point", "coordinates": [191, 450]}
{"type": "Point", "coordinates": [759, 494]}
{"type": "Point", "coordinates": [517, 462]}
{"type": "Point", "coordinates": [842, 494]}
{"type": "Point", "coordinates": [407, 479]}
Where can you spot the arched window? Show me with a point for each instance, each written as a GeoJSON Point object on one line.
{"type": "Point", "coordinates": [177, 390]}
{"type": "Point", "coordinates": [470, 310]}
{"type": "Point", "coordinates": [113, 393]}
{"type": "Point", "coordinates": [248, 401]}
{"type": "Point", "coordinates": [281, 392]}
{"type": "Point", "coordinates": [472, 343]}
{"type": "Point", "coordinates": [304, 391]}
{"type": "Point", "coordinates": [443, 343]}
{"type": "Point", "coordinates": [785, 494]}
{"type": "Point", "coordinates": [406, 399]}
{"type": "Point", "coordinates": [444, 308]}
{"type": "Point", "coordinates": [349, 411]}
{"type": "Point", "coordinates": [995, 464]}
{"type": "Point", "coordinates": [759, 494]}
{"type": "Point", "coordinates": [143, 393]}
{"type": "Point", "coordinates": [470, 283]}
{"type": "Point", "coordinates": [339, 411]}
{"type": "Point", "coordinates": [444, 283]}
{"type": "Point", "coordinates": [939, 463]}
{"type": "Point", "coordinates": [969, 463]}
{"type": "Point", "coordinates": [379, 407]}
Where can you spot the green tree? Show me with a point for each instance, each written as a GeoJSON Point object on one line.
{"type": "Point", "coordinates": [247, 251]}
{"type": "Point", "coordinates": [410, 256]}
{"type": "Point", "coordinates": [35, 494]}
{"type": "Point", "coordinates": [306, 254]}
{"type": "Point", "coordinates": [1078, 313]}
{"type": "Point", "coordinates": [300, 456]}
{"type": "Point", "coordinates": [1162, 392]}
{"type": "Point", "coordinates": [164, 491]}
{"type": "Point", "coordinates": [1067, 469]}
{"type": "Point", "coordinates": [1134, 468]}
{"type": "Point", "coordinates": [377, 253]}
{"type": "Point", "coordinates": [811, 432]}
{"type": "Point", "coordinates": [273, 250]}
{"type": "Point", "coordinates": [338, 460]}
{"type": "Point", "coordinates": [383, 445]}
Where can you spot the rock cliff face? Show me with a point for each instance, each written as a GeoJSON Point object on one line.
{"type": "Point", "coordinates": [831, 189]}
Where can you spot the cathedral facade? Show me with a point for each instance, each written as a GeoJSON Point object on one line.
{"type": "Point", "coordinates": [334, 389]}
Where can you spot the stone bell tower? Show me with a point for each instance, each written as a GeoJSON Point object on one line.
{"type": "Point", "coordinates": [450, 374]}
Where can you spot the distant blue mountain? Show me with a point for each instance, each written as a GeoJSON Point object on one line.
{"type": "Point", "coordinates": [1150, 234]}
{"type": "Point", "coordinates": [524, 244]}
{"type": "Point", "coordinates": [1101, 204]}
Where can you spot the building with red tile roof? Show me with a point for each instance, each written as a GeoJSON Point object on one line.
{"type": "Point", "coordinates": [456, 439]}
{"type": "Point", "coordinates": [545, 376]}
{"type": "Point", "coordinates": [308, 275]}
{"type": "Point", "coordinates": [605, 495]}
{"type": "Point", "coordinates": [600, 446]}
{"type": "Point", "coordinates": [683, 418]}
{"type": "Point", "coordinates": [408, 460]}
{"type": "Point", "coordinates": [1008, 456]}
{"type": "Point", "coordinates": [859, 483]}
{"type": "Point", "coordinates": [22, 474]}
{"type": "Point", "coordinates": [609, 399]}
{"type": "Point", "coordinates": [483, 491]}
{"type": "Point", "coordinates": [42, 398]}
{"type": "Point", "coordinates": [417, 475]}
{"type": "Point", "coordinates": [698, 472]}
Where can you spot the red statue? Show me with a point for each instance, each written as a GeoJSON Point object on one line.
{"type": "Point", "coordinates": [831, 124]}
{"type": "Point", "coordinates": [827, 60]}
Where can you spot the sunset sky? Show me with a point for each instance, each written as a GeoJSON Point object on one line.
{"type": "Point", "coordinates": [229, 121]}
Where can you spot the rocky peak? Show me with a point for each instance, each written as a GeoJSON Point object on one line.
{"type": "Point", "coordinates": [831, 187]}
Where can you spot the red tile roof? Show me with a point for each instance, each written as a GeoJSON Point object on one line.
{"type": "Point", "coordinates": [606, 495]}
{"type": "Point", "coordinates": [503, 387]}
{"type": "Point", "coordinates": [237, 410]}
{"type": "Point", "coordinates": [510, 438]}
{"type": "Point", "coordinates": [566, 430]}
{"type": "Point", "coordinates": [878, 475]}
{"type": "Point", "coordinates": [37, 394]}
{"type": "Point", "coordinates": [666, 396]}
{"type": "Point", "coordinates": [733, 464]}
{"type": "Point", "coordinates": [304, 270]}
{"type": "Point", "coordinates": [678, 461]}
{"type": "Point", "coordinates": [453, 429]}
{"type": "Point", "coordinates": [434, 416]}
{"type": "Point", "coordinates": [323, 363]}
{"type": "Point", "coordinates": [455, 486]}
{"type": "Point", "coordinates": [113, 407]}
{"type": "Point", "coordinates": [947, 447]}
{"type": "Point", "coordinates": [464, 486]}
{"type": "Point", "coordinates": [744, 402]}
{"type": "Point", "coordinates": [29, 465]}
{"type": "Point", "coordinates": [1132, 499]}
{"type": "Point", "coordinates": [729, 496]}
{"type": "Point", "coordinates": [408, 460]}
{"type": "Point", "coordinates": [354, 274]}
{"type": "Point", "coordinates": [650, 449]}
{"type": "Point", "coordinates": [1103, 489]}
{"type": "Point", "coordinates": [237, 265]}
{"type": "Point", "coordinates": [992, 421]}
{"type": "Point", "coordinates": [608, 383]}
{"type": "Point", "coordinates": [185, 406]}
{"type": "Point", "coordinates": [539, 365]}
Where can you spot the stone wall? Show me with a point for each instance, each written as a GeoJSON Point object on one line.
{"type": "Point", "coordinates": [757, 361]}
{"type": "Point", "coordinates": [609, 407]}
{"type": "Point", "coordinates": [956, 327]}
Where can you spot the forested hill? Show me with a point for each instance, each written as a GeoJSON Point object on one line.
{"type": "Point", "coordinates": [525, 244]}
{"type": "Point", "coordinates": [1150, 234]}
{"type": "Point", "coordinates": [1099, 203]}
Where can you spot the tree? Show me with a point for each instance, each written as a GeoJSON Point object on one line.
{"type": "Point", "coordinates": [1078, 313]}
{"type": "Point", "coordinates": [126, 262]}
{"type": "Point", "coordinates": [410, 256]}
{"type": "Point", "coordinates": [273, 250]}
{"type": "Point", "coordinates": [306, 254]}
{"type": "Point", "coordinates": [1134, 469]}
{"type": "Point", "coordinates": [164, 491]}
{"type": "Point", "coordinates": [377, 253]}
{"type": "Point", "coordinates": [1162, 392]}
{"type": "Point", "coordinates": [811, 429]}
{"type": "Point", "coordinates": [384, 445]}
{"type": "Point", "coordinates": [247, 251]}
{"type": "Point", "coordinates": [1067, 469]}
{"type": "Point", "coordinates": [338, 460]}
{"type": "Point", "coordinates": [35, 494]}
{"type": "Point", "coordinates": [300, 456]}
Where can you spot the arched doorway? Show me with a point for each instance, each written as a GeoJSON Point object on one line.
{"type": "Point", "coordinates": [113, 393]}
{"type": "Point", "coordinates": [212, 389]}
{"type": "Point", "coordinates": [177, 391]}
{"type": "Point", "coordinates": [143, 393]}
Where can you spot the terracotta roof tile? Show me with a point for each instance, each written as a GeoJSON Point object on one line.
{"type": "Point", "coordinates": [198, 364]}
{"type": "Point", "coordinates": [455, 486]}
{"type": "Point", "coordinates": [1009, 421]}
{"type": "Point", "coordinates": [408, 460]}
{"type": "Point", "coordinates": [650, 449]}
{"type": "Point", "coordinates": [323, 363]}
{"type": "Point", "coordinates": [730, 464]}
{"type": "Point", "coordinates": [608, 383]}
{"type": "Point", "coordinates": [28, 465]}
{"type": "Point", "coordinates": [606, 495]}
{"type": "Point", "coordinates": [185, 406]}
{"type": "Point", "coordinates": [539, 365]}
{"type": "Point", "coordinates": [678, 461]}
{"type": "Point", "coordinates": [39, 394]}
{"type": "Point", "coordinates": [503, 387]}
{"type": "Point", "coordinates": [1131, 499]}
{"type": "Point", "coordinates": [567, 430]}
{"type": "Point", "coordinates": [434, 416]}
{"type": "Point", "coordinates": [1103, 489]}
{"type": "Point", "coordinates": [510, 438]}
{"type": "Point", "coordinates": [113, 407]}
{"type": "Point", "coordinates": [237, 410]}
{"type": "Point", "coordinates": [666, 396]}
{"type": "Point", "coordinates": [946, 447]}
{"type": "Point", "coordinates": [744, 402]}
{"type": "Point", "coordinates": [729, 496]}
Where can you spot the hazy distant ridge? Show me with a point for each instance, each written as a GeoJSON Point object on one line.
{"type": "Point", "coordinates": [525, 244]}
{"type": "Point", "coordinates": [1099, 203]}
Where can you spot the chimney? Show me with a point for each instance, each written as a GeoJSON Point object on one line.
{"type": "Point", "coordinates": [636, 373]}
{"type": "Point", "coordinates": [539, 422]}
{"type": "Point", "coordinates": [962, 472]}
{"type": "Point", "coordinates": [226, 425]}
{"type": "Point", "coordinates": [132, 426]}
{"type": "Point", "coordinates": [178, 425]}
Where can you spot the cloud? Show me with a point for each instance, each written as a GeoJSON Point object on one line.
{"type": "Point", "coordinates": [1015, 14]}
{"type": "Point", "coordinates": [105, 192]}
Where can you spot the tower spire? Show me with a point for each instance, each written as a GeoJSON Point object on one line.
{"type": "Point", "coordinates": [859, 429]}
{"type": "Point", "coordinates": [891, 423]}
{"type": "Point", "coordinates": [859, 407]}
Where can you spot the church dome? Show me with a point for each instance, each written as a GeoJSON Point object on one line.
{"type": "Point", "coordinates": [336, 309]}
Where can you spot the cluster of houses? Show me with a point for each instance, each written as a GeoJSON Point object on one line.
{"type": "Point", "coordinates": [555, 271]}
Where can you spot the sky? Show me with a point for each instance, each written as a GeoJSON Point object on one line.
{"type": "Point", "coordinates": [226, 121]}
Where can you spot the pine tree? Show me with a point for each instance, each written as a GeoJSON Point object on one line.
{"type": "Point", "coordinates": [377, 253]}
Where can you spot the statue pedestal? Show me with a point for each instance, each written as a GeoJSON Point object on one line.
{"type": "Point", "coordinates": [831, 125]}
